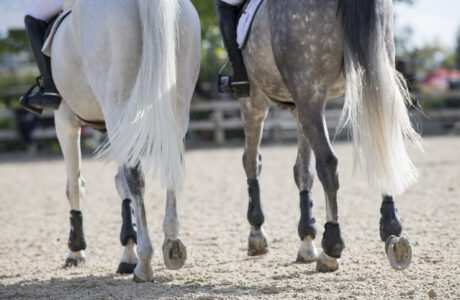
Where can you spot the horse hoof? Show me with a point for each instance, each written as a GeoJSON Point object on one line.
{"type": "Point", "coordinates": [325, 263]}
{"type": "Point", "coordinates": [137, 279]}
{"type": "Point", "coordinates": [306, 257]}
{"type": "Point", "coordinates": [399, 252]}
{"type": "Point", "coordinates": [126, 268]}
{"type": "Point", "coordinates": [257, 243]}
{"type": "Point", "coordinates": [174, 254]}
{"type": "Point", "coordinates": [74, 262]}
{"type": "Point", "coordinates": [307, 252]}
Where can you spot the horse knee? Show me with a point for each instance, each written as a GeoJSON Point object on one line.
{"type": "Point", "coordinates": [332, 243]}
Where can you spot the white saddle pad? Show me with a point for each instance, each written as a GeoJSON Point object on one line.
{"type": "Point", "coordinates": [49, 40]}
{"type": "Point", "coordinates": [245, 22]}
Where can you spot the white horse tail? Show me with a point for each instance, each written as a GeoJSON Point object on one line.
{"type": "Point", "coordinates": [149, 129]}
{"type": "Point", "coordinates": [376, 97]}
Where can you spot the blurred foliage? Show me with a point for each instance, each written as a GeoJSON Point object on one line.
{"type": "Point", "coordinates": [13, 41]}
{"type": "Point", "coordinates": [213, 55]}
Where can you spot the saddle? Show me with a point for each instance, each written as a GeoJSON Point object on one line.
{"type": "Point", "coordinates": [245, 22]}
{"type": "Point", "coordinates": [52, 29]}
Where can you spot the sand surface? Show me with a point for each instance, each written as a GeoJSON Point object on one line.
{"type": "Point", "coordinates": [34, 227]}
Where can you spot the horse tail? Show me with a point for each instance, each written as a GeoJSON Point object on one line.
{"type": "Point", "coordinates": [149, 129]}
{"type": "Point", "coordinates": [376, 96]}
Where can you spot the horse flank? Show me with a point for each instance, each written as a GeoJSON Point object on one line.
{"type": "Point", "coordinates": [149, 129]}
{"type": "Point", "coordinates": [375, 99]}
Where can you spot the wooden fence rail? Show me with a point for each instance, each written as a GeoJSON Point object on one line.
{"type": "Point", "coordinates": [221, 117]}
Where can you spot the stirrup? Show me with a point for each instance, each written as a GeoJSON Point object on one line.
{"type": "Point", "coordinates": [225, 85]}
{"type": "Point", "coordinates": [24, 100]}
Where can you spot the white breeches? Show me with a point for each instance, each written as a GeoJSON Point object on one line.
{"type": "Point", "coordinates": [44, 9]}
{"type": "Point", "coordinates": [233, 2]}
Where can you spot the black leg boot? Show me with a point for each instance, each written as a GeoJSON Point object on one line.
{"type": "Point", "coordinates": [47, 96]}
{"type": "Point", "coordinates": [238, 83]}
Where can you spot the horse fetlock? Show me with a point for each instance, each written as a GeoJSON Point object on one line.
{"type": "Point", "coordinates": [128, 228]}
{"type": "Point", "coordinates": [145, 251]}
{"type": "Point", "coordinates": [307, 224]}
{"type": "Point", "coordinates": [332, 243]}
{"type": "Point", "coordinates": [77, 237]}
{"type": "Point", "coordinates": [390, 223]}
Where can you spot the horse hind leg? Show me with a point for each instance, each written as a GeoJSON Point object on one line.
{"type": "Point", "coordinates": [174, 252]}
{"type": "Point", "coordinates": [253, 112]}
{"type": "Point", "coordinates": [130, 185]}
{"type": "Point", "coordinates": [311, 117]}
{"type": "Point", "coordinates": [303, 175]}
{"type": "Point", "coordinates": [68, 134]}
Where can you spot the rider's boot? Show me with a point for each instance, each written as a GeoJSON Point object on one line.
{"type": "Point", "coordinates": [47, 96]}
{"type": "Point", "coordinates": [238, 83]}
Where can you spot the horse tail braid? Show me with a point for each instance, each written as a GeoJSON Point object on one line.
{"type": "Point", "coordinates": [150, 129]}
{"type": "Point", "coordinates": [376, 96]}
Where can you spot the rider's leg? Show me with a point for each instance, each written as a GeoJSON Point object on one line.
{"type": "Point", "coordinates": [38, 14]}
{"type": "Point", "coordinates": [227, 16]}
{"type": "Point", "coordinates": [47, 96]}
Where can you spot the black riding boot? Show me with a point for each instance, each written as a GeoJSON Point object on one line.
{"type": "Point", "coordinates": [238, 83]}
{"type": "Point", "coordinates": [47, 96]}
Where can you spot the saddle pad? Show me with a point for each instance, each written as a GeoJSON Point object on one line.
{"type": "Point", "coordinates": [49, 40]}
{"type": "Point", "coordinates": [245, 22]}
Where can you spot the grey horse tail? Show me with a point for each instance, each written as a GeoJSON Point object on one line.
{"type": "Point", "coordinates": [376, 96]}
{"type": "Point", "coordinates": [360, 19]}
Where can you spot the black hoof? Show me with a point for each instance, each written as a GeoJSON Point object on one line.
{"type": "Point", "coordinates": [126, 268]}
{"type": "Point", "coordinates": [73, 262]}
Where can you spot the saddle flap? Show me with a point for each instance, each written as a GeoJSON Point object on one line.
{"type": "Point", "coordinates": [47, 46]}
{"type": "Point", "coordinates": [245, 21]}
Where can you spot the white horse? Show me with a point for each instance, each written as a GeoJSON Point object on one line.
{"type": "Point", "coordinates": [133, 65]}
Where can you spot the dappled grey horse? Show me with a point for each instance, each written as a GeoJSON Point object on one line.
{"type": "Point", "coordinates": [300, 54]}
{"type": "Point", "coordinates": [132, 65]}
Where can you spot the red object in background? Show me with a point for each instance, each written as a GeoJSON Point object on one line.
{"type": "Point", "coordinates": [439, 79]}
